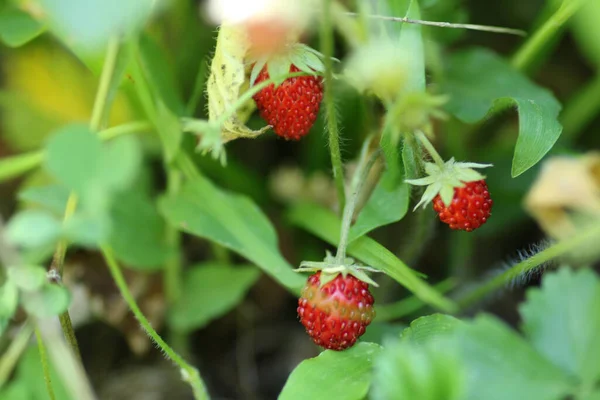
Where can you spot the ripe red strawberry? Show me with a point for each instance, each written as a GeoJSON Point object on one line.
{"type": "Point", "coordinates": [292, 107]}
{"type": "Point", "coordinates": [336, 314]}
{"type": "Point", "coordinates": [470, 208]}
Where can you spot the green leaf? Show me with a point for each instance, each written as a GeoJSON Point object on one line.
{"type": "Point", "coordinates": [73, 156]}
{"type": "Point", "coordinates": [378, 332]}
{"type": "Point", "coordinates": [386, 205]}
{"type": "Point", "coordinates": [77, 158]}
{"type": "Point", "coordinates": [501, 365]}
{"type": "Point", "coordinates": [27, 277]}
{"type": "Point", "coordinates": [120, 163]}
{"type": "Point", "coordinates": [233, 221]}
{"type": "Point", "coordinates": [18, 27]}
{"type": "Point", "coordinates": [87, 230]}
{"type": "Point", "coordinates": [326, 225]}
{"type": "Point", "coordinates": [429, 328]}
{"type": "Point", "coordinates": [432, 371]}
{"type": "Point", "coordinates": [89, 24]}
{"type": "Point", "coordinates": [333, 375]}
{"type": "Point", "coordinates": [562, 321]}
{"type": "Point", "coordinates": [478, 80]}
{"type": "Point", "coordinates": [209, 291]}
{"type": "Point", "coordinates": [9, 299]}
{"type": "Point", "coordinates": [51, 197]}
{"type": "Point", "coordinates": [33, 228]}
{"type": "Point", "coordinates": [161, 74]}
{"type": "Point", "coordinates": [49, 301]}
{"type": "Point", "coordinates": [138, 233]}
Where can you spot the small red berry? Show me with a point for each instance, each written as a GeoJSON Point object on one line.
{"type": "Point", "coordinates": [336, 314]}
{"type": "Point", "coordinates": [470, 208]}
{"type": "Point", "coordinates": [292, 107]}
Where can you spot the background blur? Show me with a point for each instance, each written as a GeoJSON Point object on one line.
{"type": "Point", "coordinates": [249, 352]}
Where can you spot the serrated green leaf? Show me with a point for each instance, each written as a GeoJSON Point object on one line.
{"type": "Point", "coordinates": [18, 27]}
{"type": "Point", "coordinates": [430, 328]}
{"type": "Point", "coordinates": [74, 156]}
{"type": "Point", "coordinates": [326, 225]}
{"type": "Point", "coordinates": [432, 371]}
{"type": "Point", "coordinates": [501, 365]}
{"type": "Point", "coordinates": [478, 80]}
{"type": "Point", "coordinates": [562, 321]}
{"type": "Point", "coordinates": [33, 228]}
{"type": "Point", "coordinates": [51, 197]}
{"type": "Point", "coordinates": [9, 299]}
{"type": "Point", "coordinates": [27, 277]}
{"type": "Point", "coordinates": [138, 235]}
{"type": "Point", "coordinates": [233, 221]}
{"type": "Point", "coordinates": [333, 375]}
{"type": "Point", "coordinates": [209, 291]}
{"type": "Point", "coordinates": [49, 301]}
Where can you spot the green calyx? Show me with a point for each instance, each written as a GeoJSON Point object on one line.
{"type": "Point", "coordinates": [303, 57]}
{"type": "Point", "coordinates": [443, 179]}
{"type": "Point", "coordinates": [330, 268]}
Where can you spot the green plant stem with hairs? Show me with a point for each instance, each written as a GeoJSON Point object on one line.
{"type": "Point", "coordinates": [45, 365]}
{"type": "Point", "coordinates": [189, 373]}
{"type": "Point", "coordinates": [559, 249]}
{"type": "Point", "coordinates": [327, 47]}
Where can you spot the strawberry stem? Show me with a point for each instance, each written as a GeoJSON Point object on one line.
{"type": "Point", "coordinates": [358, 180]}
{"type": "Point", "coordinates": [430, 149]}
{"type": "Point", "coordinates": [327, 46]}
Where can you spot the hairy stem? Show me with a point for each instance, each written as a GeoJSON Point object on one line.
{"type": "Point", "coordinates": [430, 149]}
{"type": "Point", "coordinates": [358, 181]}
{"type": "Point", "coordinates": [327, 46]}
{"type": "Point", "coordinates": [45, 365]}
{"type": "Point", "coordinates": [101, 104]}
{"type": "Point", "coordinates": [190, 374]}
{"type": "Point", "coordinates": [535, 45]}
{"type": "Point", "coordinates": [556, 250]}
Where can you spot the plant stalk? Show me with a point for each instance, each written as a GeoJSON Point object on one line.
{"type": "Point", "coordinates": [430, 149]}
{"type": "Point", "coordinates": [189, 373]}
{"type": "Point", "coordinates": [327, 47]}
{"type": "Point", "coordinates": [45, 365]}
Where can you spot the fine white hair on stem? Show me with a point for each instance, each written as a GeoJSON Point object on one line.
{"type": "Point", "coordinates": [440, 24]}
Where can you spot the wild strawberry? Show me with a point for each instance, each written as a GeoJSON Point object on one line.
{"type": "Point", "coordinates": [459, 193]}
{"type": "Point", "coordinates": [337, 313]}
{"type": "Point", "coordinates": [470, 208]}
{"type": "Point", "coordinates": [292, 107]}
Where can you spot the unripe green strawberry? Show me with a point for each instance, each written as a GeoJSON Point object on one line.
{"type": "Point", "coordinates": [336, 314]}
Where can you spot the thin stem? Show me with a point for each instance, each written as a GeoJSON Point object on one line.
{"type": "Point", "coordinates": [190, 374]}
{"type": "Point", "coordinates": [556, 250]}
{"type": "Point", "coordinates": [125, 129]}
{"type": "Point", "coordinates": [327, 46]}
{"type": "Point", "coordinates": [12, 355]}
{"type": "Point", "coordinates": [101, 104]}
{"type": "Point", "coordinates": [106, 78]}
{"type": "Point", "coordinates": [360, 176]}
{"type": "Point", "coordinates": [440, 24]}
{"type": "Point", "coordinates": [529, 52]}
{"type": "Point", "coordinates": [430, 149]}
{"type": "Point", "coordinates": [45, 365]}
{"type": "Point", "coordinates": [581, 109]}
{"type": "Point", "coordinates": [173, 267]}
{"type": "Point", "coordinates": [198, 89]}
{"type": "Point", "coordinates": [410, 305]}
